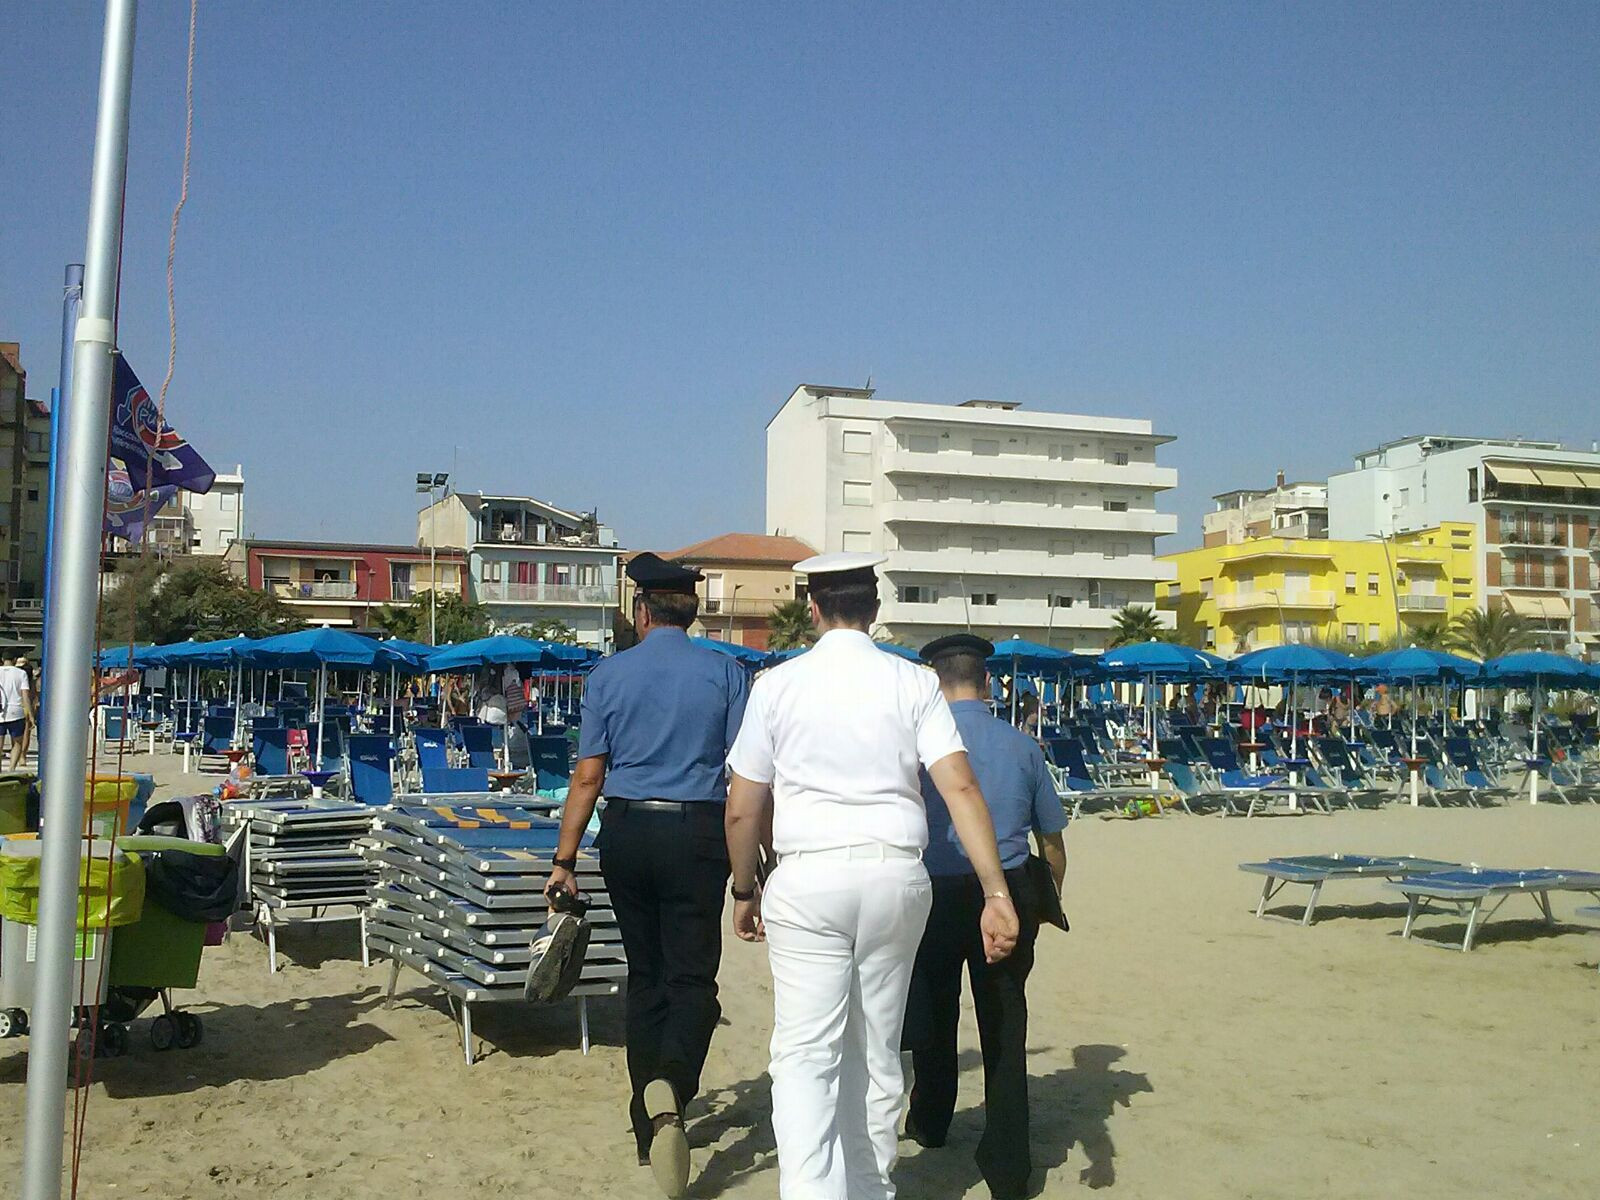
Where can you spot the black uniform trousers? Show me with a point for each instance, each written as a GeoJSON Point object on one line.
{"type": "Point", "coordinates": [933, 1008]}
{"type": "Point", "coordinates": [665, 871]}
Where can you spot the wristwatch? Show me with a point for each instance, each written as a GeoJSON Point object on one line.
{"type": "Point", "coordinates": [742, 896]}
{"type": "Point", "coordinates": [566, 864]}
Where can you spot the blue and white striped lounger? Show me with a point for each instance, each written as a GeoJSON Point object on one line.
{"type": "Point", "coordinates": [1314, 870]}
{"type": "Point", "coordinates": [1469, 888]}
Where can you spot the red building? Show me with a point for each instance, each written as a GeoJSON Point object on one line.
{"type": "Point", "coordinates": [340, 583]}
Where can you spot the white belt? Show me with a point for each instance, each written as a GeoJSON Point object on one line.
{"type": "Point", "coordinates": [871, 852]}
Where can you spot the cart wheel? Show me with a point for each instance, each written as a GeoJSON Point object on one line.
{"type": "Point", "coordinates": [8, 1023]}
{"type": "Point", "coordinates": [114, 1040]}
{"type": "Point", "coordinates": [163, 1032]}
{"type": "Point", "coordinates": [190, 1030]}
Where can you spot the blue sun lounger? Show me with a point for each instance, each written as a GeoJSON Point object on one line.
{"type": "Point", "coordinates": [1314, 870]}
{"type": "Point", "coordinates": [1470, 888]}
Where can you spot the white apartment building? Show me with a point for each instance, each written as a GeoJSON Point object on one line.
{"type": "Point", "coordinates": [191, 523]}
{"type": "Point", "coordinates": [1287, 510]}
{"type": "Point", "coordinates": [1536, 506]}
{"type": "Point", "coordinates": [1005, 522]}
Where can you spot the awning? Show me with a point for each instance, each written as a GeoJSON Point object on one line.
{"type": "Point", "coordinates": [1558, 477]}
{"type": "Point", "coordinates": [1591, 479]}
{"type": "Point", "coordinates": [1507, 473]}
{"type": "Point", "coordinates": [1552, 608]}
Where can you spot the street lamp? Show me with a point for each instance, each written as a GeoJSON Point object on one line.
{"type": "Point", "coordinates": [733, 603]}
{"type": "Point", "coordinates": [430, 482]}
{"type": "Point", "coordinates": [1394, 586]}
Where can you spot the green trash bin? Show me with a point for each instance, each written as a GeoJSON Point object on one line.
{"type": "Point", "coordinates": [19, 799]}
{"type": "Point", "coordinates": [161, 950]}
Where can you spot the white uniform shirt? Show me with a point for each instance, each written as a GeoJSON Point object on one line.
{"type": "Point", "coordinates": [839, 733]}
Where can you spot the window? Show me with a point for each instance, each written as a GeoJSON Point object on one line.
{"type": "Point", "coordinates": [33, 493]}
{"type": "Point", "coordinates": [858, 494]}
{"type": "Point", "coordinates": [1372, 633]}
{"type": "Point", "coordinates": [1116, 549]}
{"type": "Point", "coordinates": [1060, 600]}
{"type": "Point", "coordinates": [1059, 546]}
{"type": "Point", "coordinates": [985, 599]}
{"type": "Point", "coordinates": [985, 446]}
{"type": "Point", "coordinates": [1372, 585]}
{"type": "Point", "coordinates": [857, 441]}
{"type": "Point", "coordinates": [715, 632]}
{"type": "Point", "coordinates": [1405, 497]}
{"type": "Point", "coordinates": [1349, 583]}
{"type": "Point", "coordinates": [917, 593]}
{"type": "Point", "coordinates": [228, 501]}
{"type": "Point", "coordinates": [922, 443]}
{"type": "Point", "coordinates": [1114, 505]}
{"type": "Point", "coordinates": [985, 545]}
{"type": "Point", "coordinates": [1207, 587]}
{"type": "Point", "coordinates": [1095, 598]}
{"type": "Point", "coordinates": [1211, 637]}
{"type": "Point", "coordinates": [1060, 450]}
{"type": "Point", "coordinates": [1352, 632]}
{"type": "Point", "coordinates": [855, 540]}
{"type": "Point", "coordinates": [39, 443]}
{"type": "Point", "coordinates": [589, 576]}
{"type": "Point", "coordinates": [1244, 583]}
{"type": "Point", "coordinates": [987, 495]}
{"type": "Point", "coordinates": [1119, 458]}
{"type": "Point", "coordinates": [1472, 485]}
{"type": "Point", "coordinates": [30, 541]}
{"type": "Point", "coordinates": [491, 572]}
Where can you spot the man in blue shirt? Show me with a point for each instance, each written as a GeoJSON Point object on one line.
{"type": "Point", "coordinates": [658, 721]}
{"type": "Point", "coordinates": [1022, 800]}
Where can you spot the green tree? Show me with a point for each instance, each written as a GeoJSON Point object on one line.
{"type": "Point", "coordinates": [791, 626]}
{"type": "Point", "coordinates": [1425, 635]}
{"type": "Point", "coordinates": [1489, 633]}
{"type": "Point", "coordinates": [1136, 623]}
{"type": "Point", "coordinates": [456, 619]}
{"type": "Point", "coordinates": [552, 629]}
{"type": "Point", "coordinates": [167, 602]}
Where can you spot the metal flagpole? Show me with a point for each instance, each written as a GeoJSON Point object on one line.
{"type": "Point", "coordinates": [72, 297]}
{"type": "Point", "coordinates": [76, 524]}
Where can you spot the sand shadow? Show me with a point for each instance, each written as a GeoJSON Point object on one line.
{"type": "Point", "coordinates": [1520, 929]}
{"type": "Point", "coordinates": [309, 946]}
{"type": "Point", "coordinates": [1069, 1108]}
{"type": "Point", "coordinates": [1372, 911]}
{"type": "Point", "coordinates": [522, 1030]}
{"type": "Point", "coordinates": [743, 1110]}
{"type": "Point", "coordinates": [241, 1042]}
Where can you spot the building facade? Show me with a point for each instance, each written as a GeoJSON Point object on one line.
{"type": "Point", "coordinates": [747, 576]}
{"type": "Point", "coordinates": [191, 523]}
{"type": "Point", "coordinates": [24, 482]}
{"type": "Point", "coordinates": [1287, 510]}
{"type": "Point", "coordinates": [1363, 594]}
{"type": "Point", "coordinates": [530, 562]}
{"type": "Point", "coordinates": [341, 583]}
{"type": "Point", "coordinates": [992, 519]}
{"type": "Point", "coordinates": [1534, 507]}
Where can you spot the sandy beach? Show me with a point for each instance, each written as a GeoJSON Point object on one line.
{"type": "Point", "coordinates": [1180, 1048]}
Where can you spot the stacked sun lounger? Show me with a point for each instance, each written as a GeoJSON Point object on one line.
{"type": "Point", "coordinates": [458, 897]}
{"type": "Point", "coordinates": [1474, 889]}
{"type": "Point", "coordinates": [301, 861]}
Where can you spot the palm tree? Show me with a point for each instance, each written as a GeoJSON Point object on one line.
{"type": "Point", "coordinates": [791, 626]}
{"type": "Point", "coordinates": [1489, 633]}
{"type": "Point", "coordinates": [1135, 623]}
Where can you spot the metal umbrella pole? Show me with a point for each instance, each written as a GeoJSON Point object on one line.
{"type": "Point", "coordinates": [76, 525]}
{"type": "Point", "coordinates": [322, 706]}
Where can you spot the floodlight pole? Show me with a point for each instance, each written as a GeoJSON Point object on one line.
{"type": "Point", "coordinates": [75, 525]}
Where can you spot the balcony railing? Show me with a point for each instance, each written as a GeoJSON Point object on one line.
{"type": "Point", "coordinates": [1238, 601]}
{"type": "Point", "coordinates": [544, 593]}
{"type": "Point", "coordinates": [737, 606]}
{"type": "Point", "coordinates": [1416, 603]}
{"type": "Point", "coordinates": [326, 589]}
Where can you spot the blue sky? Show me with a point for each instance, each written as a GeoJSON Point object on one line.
{"type": "Point", "coordinates": [583, 251]}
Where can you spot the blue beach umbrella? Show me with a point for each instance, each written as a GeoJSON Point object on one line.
{"type": "Point", "coordinates": [745, 655]}
{"type": "Point", "coordinates": [1158, 662]}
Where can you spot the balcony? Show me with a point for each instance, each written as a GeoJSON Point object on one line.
{"type": "Point", "coordinates": [545, 593]}
{"type": "Point", "coordinates": [1010, 615]}
{"type": "Point", "coordinates": [1028, 467]}
{"type": "Point", "coordinates": [324, 589]}
{"type": "Point", "coordinates": [1026, 516]}
{"type": "Point", "coordinates": [738, 606]}
{"type": "Point", "coordinates": [1022, 564]}
{"type": "Point", "coordinates": [1244, 601]}
{"type": "Point", "coordinates": [1422, 604]}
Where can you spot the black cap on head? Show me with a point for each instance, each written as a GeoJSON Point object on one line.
{"type": "Point", "coordinates": [957, 643]}
{"type": "Point", "coordinates": [655, 574]}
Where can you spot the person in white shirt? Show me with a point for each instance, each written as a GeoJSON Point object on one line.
{"type": "Point", "coordinates": [16, 711]}
{"type": "Point", "coordinates": [489, 698]}
{"type": "Point", "coordinates": [829, 753]}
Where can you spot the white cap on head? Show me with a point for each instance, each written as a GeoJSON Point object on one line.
{"type": "Point", "coordinates": [843, 560]}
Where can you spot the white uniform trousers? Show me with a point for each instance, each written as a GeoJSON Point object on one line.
{"type": "Point", "coordinates": [842, 936]}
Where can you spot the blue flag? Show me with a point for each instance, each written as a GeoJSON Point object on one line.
{"type": "Point", "coordinates": [145, 453]}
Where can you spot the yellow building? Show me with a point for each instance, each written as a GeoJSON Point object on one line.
{"type": "Point", "coordinates": [1268, 591]}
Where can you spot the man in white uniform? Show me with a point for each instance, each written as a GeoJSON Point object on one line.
{"type": "Point", "coordinates": [829, 751]}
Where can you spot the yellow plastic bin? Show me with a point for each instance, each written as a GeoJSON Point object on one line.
{"type": "Point", "coordinates": [18, 801]}
{"type": "Point", "coordinates": [107, 802]}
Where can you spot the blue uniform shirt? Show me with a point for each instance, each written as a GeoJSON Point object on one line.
{"type": "Point", "coordinates": [1016, 785]}
{"type": "Point", "coordinates": [665, 714]}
